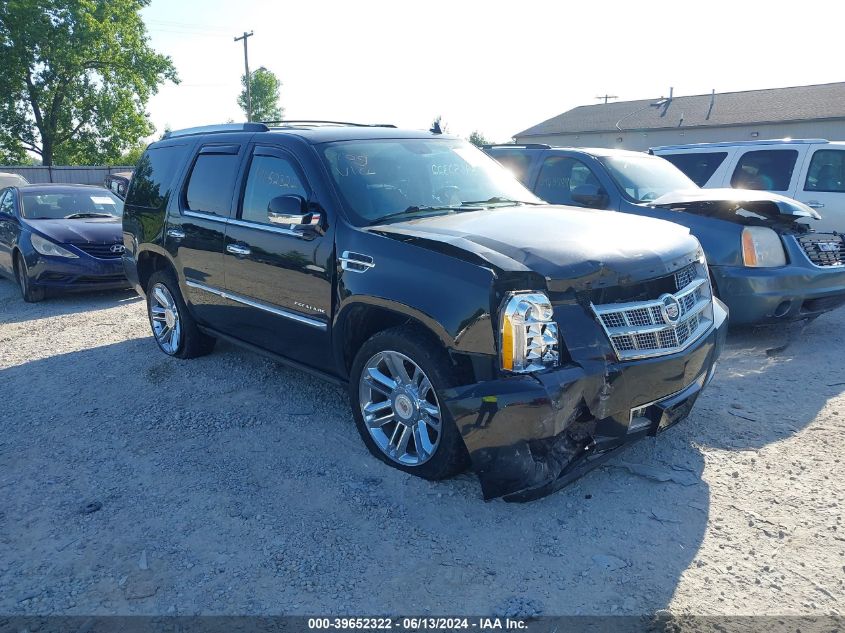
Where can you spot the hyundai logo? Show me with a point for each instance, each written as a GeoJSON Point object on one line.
{"type": "Point", "coordinates": [670, 308]}
{"type": "Point", "coordinates": [117, 248]}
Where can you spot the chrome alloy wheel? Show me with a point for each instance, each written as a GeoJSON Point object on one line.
{"type": "Point", "coordinates": [164, 316]}
{"type": "Point", "coordinates": [400, 408]}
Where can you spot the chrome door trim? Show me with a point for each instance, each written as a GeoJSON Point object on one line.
{"type": "Point", "coordinates": [265, 227]}
{"type": "Point", "coordinates": [206, 216]}
{"type": "Point", "coordinates": [258, 305]}
{"type": "Point", "coordinates": [248, 225]}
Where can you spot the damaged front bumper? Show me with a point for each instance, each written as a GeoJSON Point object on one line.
{"type": "Point", "coordinates": [529, 435]}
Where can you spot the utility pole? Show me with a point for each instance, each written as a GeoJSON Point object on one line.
{"type": "Point", "coordinates": [606, 97]}
{"type": "Point", "coordinates": [246, 74]}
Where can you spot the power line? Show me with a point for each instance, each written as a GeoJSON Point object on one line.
{"type": "Point", "coordinates": [189, 26]}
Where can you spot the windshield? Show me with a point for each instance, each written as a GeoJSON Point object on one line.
{"type": "Point", "coordinates": [12, 180]}
{"type": "Point", "coordinates": [73, 204]}
{"type": "Point", "coordinates": [409, 177]}
{"type": "Point", "coordinates": [645, 178]}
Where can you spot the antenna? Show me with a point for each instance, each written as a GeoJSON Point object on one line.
{"type": "Point", "coordinates": [607, 97]}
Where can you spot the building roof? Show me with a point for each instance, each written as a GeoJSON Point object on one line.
{"type": "Point", "coordinates": [774, 105]}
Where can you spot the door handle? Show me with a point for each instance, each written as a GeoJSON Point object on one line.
{"type": "Point", "coordinates": [238, 250]}
{"type": "Point", "coordinates": [176, 234]}
{"type": "Point", "coordinates": [815, 204]}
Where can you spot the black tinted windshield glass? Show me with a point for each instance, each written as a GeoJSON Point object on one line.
{"type": "Point", "coordinates": [644, 178]}
{"type": "Point", "coordinates": [381, 178]}
{"type": "Point", "coordinates": [70, 204]}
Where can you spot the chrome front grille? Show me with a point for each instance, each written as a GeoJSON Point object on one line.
{"type": "Point", "coordinates": [101, 251]}
{"type": "Point", "coordinates": [664, 325]}
{"type": "Point", "coordinates": [823, 249]}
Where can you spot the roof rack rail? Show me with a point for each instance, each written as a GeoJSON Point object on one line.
{"type": "Point", "coordinates": [525, 145]}
{"type": "Point", "coordinates": [773, 141]}
{"type": "Point", "coordinates": [297, 122]}
{"type": "Point", "coordinates": [222, 127]}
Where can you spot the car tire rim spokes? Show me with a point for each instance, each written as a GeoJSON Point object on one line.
{"type": "Point", "coordinates": [400, 408]}
{"type": "Point", "coordinates": [164, 317]}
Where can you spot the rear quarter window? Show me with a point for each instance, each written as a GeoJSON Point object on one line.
{"type": "Point", "coordinates": [153, 180]}
{"type": "Point", "coordinates": [518, 164]}
{"type": "Point", "coordinates": [699, 166]}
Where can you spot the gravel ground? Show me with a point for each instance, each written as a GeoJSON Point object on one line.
{"type": "Point", "coordinates": [132, 483]}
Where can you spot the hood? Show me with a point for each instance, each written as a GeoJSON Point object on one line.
{"type": "Point", "coordinates": [737, 205]}
{"type": "Point", "coordinates": [80, 231]}
{"type": "Point", "coordinates": [570, 247]}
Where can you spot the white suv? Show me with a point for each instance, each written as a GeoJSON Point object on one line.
{"type": "Point", "coordinates": [809, 170]}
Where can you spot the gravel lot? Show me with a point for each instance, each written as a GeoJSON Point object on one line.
{"type": "Point", "coordinates": [230, 484]}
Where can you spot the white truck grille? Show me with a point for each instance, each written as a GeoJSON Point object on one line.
{"type": "Point", "coordinates": [664, 325]}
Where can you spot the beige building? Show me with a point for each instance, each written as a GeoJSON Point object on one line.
{"type": "Point", "coordinates": [798, 112]}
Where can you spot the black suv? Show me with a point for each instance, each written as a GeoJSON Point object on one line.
{"type": "Point", "coordinates": [472, 323]}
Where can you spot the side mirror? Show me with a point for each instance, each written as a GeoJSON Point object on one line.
{"type": "Point", "coordinates": [291, 212]}
{"type": "Point", "coordinates": [591, 196]}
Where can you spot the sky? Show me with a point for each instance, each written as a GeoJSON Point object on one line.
{"type": "Point", "coordinates": [496, 67]}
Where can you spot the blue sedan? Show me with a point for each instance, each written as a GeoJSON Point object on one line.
{"type": "Point", "coordinates": [61, 237]}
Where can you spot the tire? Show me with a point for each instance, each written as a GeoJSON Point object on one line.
{"type": "Point", "coordinates": [411, 404]}
{"type": "Point", "coordinates": [174, 329]}
{"type": "Point", "coordinates": [29, 293]}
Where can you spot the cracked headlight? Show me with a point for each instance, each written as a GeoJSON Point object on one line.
{"type": "Point", "coordinates": [762, 248]}
{"type": "Point", "coordinates": [529, 337]}
{"type": "Point", "coordinates": [46, 247]}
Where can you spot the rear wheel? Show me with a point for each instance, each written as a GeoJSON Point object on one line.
{"type": "Point", "coordinates": [395, 385]}
{"type": "Point", "coordinates": [29, 293]}
{"type": "Point", "coordinates": [174, 329]}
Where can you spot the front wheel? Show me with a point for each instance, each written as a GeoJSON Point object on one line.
{"type": "Point", "coordinates": [395, 385]}
{"type": "Point", "coordinates": [29, 293]}
{"type": "Point", "coordinates": [174, 329]}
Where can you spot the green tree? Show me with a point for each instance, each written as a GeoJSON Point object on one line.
{"type": "Point", "coordinates": [132, 155]}
{"type": "Point", "coordinates": [478, 139]}
{"type": "Point", "coordinates": [264, 87]}
{"type": "Point", "coordinates": [76, 78]}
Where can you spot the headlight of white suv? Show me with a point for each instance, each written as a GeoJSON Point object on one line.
{"type": "Point", "coordinates": [46, 247]}
{"type": "Point", "coordinates": [762, 248]}
{"type": "Point", "coordinates": [528, 337]}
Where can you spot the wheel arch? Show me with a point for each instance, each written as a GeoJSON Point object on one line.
{"type": "Point", "coordinates": [358, 321]}
{"type": "Point", "coordinates": [151, 260]}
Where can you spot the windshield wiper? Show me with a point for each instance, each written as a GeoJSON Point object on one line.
{"type": "Point", "coordinates": [412, 210]}
{"type": "Point", "coordinates": [75, 216]}
{"type": "Point", "coordinates": [496, 200]}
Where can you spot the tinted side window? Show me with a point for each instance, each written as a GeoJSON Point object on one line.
{"type": "Point", "coordinates": [211, 183]}
{"type": "Point", "coordinates": [699, 167]}
{"type": "Point", "coordinates": [517, 164]}
{"type": "Point", "coordinates": [827, 171]}
{"type": "Point", "coordinates": [269, 177]}
{"type": "Point", "coordinates": [768, 169]}
{"type": "Point", "coordinates": [559, 176]}
{"type": "Point", "coordinates": [7, 200]}
{"type": "Point", "coordinates": [151, 185]}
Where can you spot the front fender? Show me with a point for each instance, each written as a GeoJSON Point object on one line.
{"type": "Point", "coordinates": [449, 296]}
